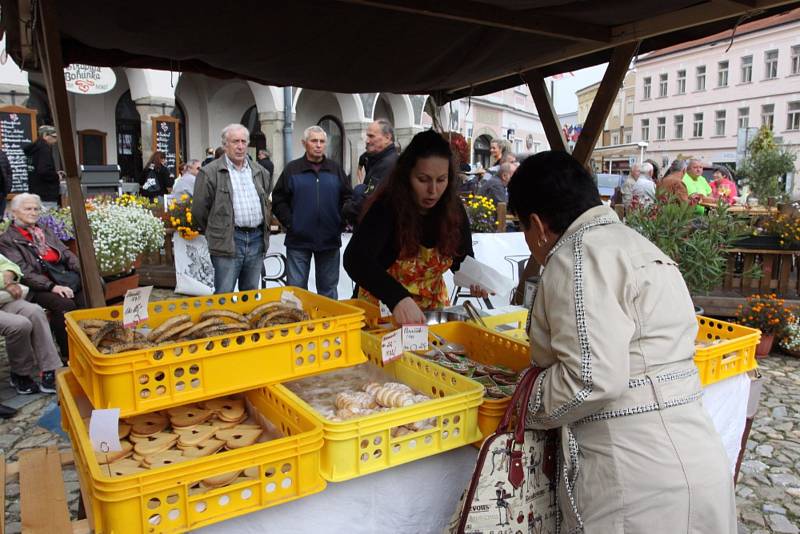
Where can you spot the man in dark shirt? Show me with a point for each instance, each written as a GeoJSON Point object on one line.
{"type": "Point", "coordinates": [381, 156]}
{"type": "Point", "coordinates": [308, 200]}
{"type": "Point", "coordinates": [44, 180]}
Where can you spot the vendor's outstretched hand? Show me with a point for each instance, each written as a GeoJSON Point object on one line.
{"type": "Point", "coordinates": [478, 291]}
{"type": "Point", "coordinates": [407, 312]}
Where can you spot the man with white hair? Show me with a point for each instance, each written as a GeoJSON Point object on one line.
{"type": "Point", "coordinates": [231, 206]}
{"type": "Point", "coordinates": [644, 190]}
{"type": "Point", "coordinates": [308, 201]}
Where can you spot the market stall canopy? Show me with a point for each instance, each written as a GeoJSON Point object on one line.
{"type": "Point", "coordinates": [447, 48]}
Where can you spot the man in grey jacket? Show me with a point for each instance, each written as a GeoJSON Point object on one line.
{"type": "Point", "coordinates": [231, 207]}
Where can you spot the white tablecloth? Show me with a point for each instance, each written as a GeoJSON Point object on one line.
{"type": "Point", "coordinates": [420, 497]}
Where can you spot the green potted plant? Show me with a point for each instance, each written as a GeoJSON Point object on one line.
{"type": "Point", "coordinates": [769, 314]}
{"type": "Point", "coordinates": [697, 244]}
{"type": "Point", "coordinates": [765, 164]}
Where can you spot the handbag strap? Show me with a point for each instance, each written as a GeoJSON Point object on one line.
{"type": "Point", "coordinates": [519, 404]}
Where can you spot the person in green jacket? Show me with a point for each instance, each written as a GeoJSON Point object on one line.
{"type": "Point", "coordinates": [696, 185]}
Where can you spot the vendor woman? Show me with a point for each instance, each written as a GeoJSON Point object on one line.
{"type": "Point", "coordinates": [613, 326]}
{"type": "Point", "coordinates": [413, 229]}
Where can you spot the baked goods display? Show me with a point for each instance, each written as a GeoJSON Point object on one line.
{"type": "Point", "coordinates": [110, 337]}
{"type": "Point", "coordinates": [499, 382]}
{"type": "Point", "coordinates": [357, 392]}
{"type": "Point", "coordinates": [159, 439]}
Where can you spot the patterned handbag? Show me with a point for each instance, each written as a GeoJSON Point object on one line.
{"type": "Point", "coordinates": [513, 488]}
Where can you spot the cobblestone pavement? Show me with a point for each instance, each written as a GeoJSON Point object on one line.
{"type": "Point", "coordinates": [768, 490]}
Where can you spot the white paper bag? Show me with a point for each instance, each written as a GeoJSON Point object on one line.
{"type": "Point", "coordinates": [473, 272]}
{"type": "Point", "coordinates": [194, 273]}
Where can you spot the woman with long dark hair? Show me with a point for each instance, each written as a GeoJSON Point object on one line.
{"type": "Point", "coordinates": [156, 179]}
{"type": "Point", "coordinates": [413, 229]}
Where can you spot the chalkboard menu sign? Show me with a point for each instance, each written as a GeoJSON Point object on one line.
{"type": "Point", "coordinates": [166, 139]}
{"type": "Point", "coordinates": [17, 127]}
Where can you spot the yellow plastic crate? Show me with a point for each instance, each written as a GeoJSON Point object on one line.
{"type": "Point", "coordinates": [736, 354]}
{"type": "Point", "coordinates": [484, 346]}
{"type": "Point", "coordinates": [158, 501]}
{"type": "Point", "coordinates": [177, 373]}
{"type": "Point", "coordinates": [516, 319]}
{"type": "Point", "coordinates": [372, 313]}
{"type": "Point", "coordinates": [364, 445]}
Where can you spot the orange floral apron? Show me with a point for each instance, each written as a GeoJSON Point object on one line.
{"type": "Point", "coordinates": [422, 276]}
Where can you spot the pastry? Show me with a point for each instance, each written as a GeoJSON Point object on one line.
{"type": "Point", "coordinates": [147, 424]}
{"type": "Point", "coordinates": [206, 448]}
{"type": "Point", "coordinates": [220, 480]}
{"type": "Point", "coordinates": [113, 456]}
{"type": "Point", "coordinates": [226, 408]}
{"type": "Point", "coordinates": [223, 314]}
{"type": "Point", "coordinates": [354, 399]}
{"type": "Point", "coordinates": [124, 467]}
{"type": "Point", "coordinates": [256, 313]}
{"type": "Point", "coordinates": [191, 437]}
{"type": "Point", "coordinates": [165, 458]}
{"type": "Point", "coordinates": [156, 443]}
{"type": "Point", "coordinates": [394, 397]}
{"type": "Point", "coordinates": [166, 325]}
{"type": "Point", "coordinates": [199, 327]}
{"type": "Point", "coordinates": [236, 438]}
{"type": "Point", "coordinates": [174, 331]}
{"type": "Point", "coordinates": [188, 416]}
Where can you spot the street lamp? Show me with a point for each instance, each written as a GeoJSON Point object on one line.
{"type": "Point", "coordinates": [642, 145]}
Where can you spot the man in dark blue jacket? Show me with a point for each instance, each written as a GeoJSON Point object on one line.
{"type": "Point", "coordinates": [308, 200]}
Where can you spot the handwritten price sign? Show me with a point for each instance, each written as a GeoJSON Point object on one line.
{"type": "Point", "coordinates": [415, 337]}
{"type": "Point", "coordinates": [134, 309]}
{"type": "Point", "coordinates": [392, 346]}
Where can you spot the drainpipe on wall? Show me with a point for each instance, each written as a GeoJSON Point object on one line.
{"type": "Point", "coordinates": [287, 125]}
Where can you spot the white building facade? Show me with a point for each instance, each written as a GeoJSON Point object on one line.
{"type": "Point", "coordinates": [695, 99]}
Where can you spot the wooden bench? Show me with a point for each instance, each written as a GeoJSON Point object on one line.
{"type": "Point", "coordinates": [43, 501]}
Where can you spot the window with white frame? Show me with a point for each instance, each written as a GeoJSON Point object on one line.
{"type": "Point", "coordinates": [796, 59]}
{"type": "Point", "coordinates": [627, 137]}
{"type": "Point", "coordinates": [646, 88]}
{"type": "Point", "coordinates": [697, 126]}
{"type": "Point", "coordinates": [661, 128]}
{"type": "Point", "coordinates": [645, 129]}
{"type": "Point", "coordinates": [615, 139]}
{"type": "Point", "coordinates": [768, 115]}
{"type": "Point", "coordinates": [770, 64]}
{"type": "Point", "coordinates": [719, 122]}
{"type": "Point", "coordinates": [744, 117]}
{"type": "Point", "coordinates": [662, 84]}
{"type": "Point", "coordinates": [747, 69]}
{"type": "Point", "coordinates": [678, 126]}
{"type": "Point", "coordinates": [700, 77]}
{"type": "Point", "coordinates": [681, 81]}
{"type": "Point", "coordinates": [793, 116]}
{"type": "Point", "coordinates": [722, 74]}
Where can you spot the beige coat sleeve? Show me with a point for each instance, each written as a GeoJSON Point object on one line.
{"type": "Point", "coordinates": [581, 329]}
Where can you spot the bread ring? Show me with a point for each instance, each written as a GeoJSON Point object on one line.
{"type": "Point", "coordinates": [225, 329]}
{"type": "Point", "coordinates": [223, 314]}
{"type": "Point", "coordinates": [174, 331]}
{"type": "Point", "coordinates": [166, 325]}
{"type": "Point", "coordinates": [93, 323]}
{"type": "Point", "coordinates": [256, 313]}
{"type": "Point", "coordinates": [102, 332]}
{"type": "Point", "coordinates": [201, 325]}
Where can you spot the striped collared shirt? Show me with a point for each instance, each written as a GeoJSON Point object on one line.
{"type": "Point", "coordinates": [246, 202]}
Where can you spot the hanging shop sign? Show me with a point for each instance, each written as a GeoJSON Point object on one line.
{"type": "Point", "coordinates": [89, 80]}
{"type": "Point", "coordinates": [166, 138]}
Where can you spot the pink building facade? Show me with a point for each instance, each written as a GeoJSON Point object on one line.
{"type": "Point", "coordinates": [698, 98]}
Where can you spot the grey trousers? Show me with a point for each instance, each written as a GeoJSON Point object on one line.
{"type": "Point", "coordinates": [28, 338]}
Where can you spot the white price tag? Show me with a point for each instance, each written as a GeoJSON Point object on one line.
{"type": "Point", "coordinates": [385, 311]}
{"type": "Point", "coordinates": [392, 346]}
{"type": "Point", "coordinates": [104, 430]}
{"type": "Point", "coordinates": [415, 337]}
{"type": "Point", "coordinates": [134, 308]}
{"type": "Point", "coordinates": [287, 297]}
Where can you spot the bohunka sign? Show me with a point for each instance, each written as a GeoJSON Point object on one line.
{"type": "Point", "coordinates": [88, 79]}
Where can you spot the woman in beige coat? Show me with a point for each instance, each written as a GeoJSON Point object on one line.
{"type": "Point", "coordinates": [614, 326]}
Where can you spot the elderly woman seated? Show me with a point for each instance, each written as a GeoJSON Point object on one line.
{"type": "Point", "coordinates": [48, 268]}
{"type": "Point", "coordinates": [29, 343]}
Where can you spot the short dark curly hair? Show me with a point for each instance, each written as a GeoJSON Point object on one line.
{"type": "Point", "coordinates": [554, 186]}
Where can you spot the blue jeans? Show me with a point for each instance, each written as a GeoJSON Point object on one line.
{"type": "Point", "coordinates": [245, 267]}
{"type": "Point", "coordinates": [326, 267]}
